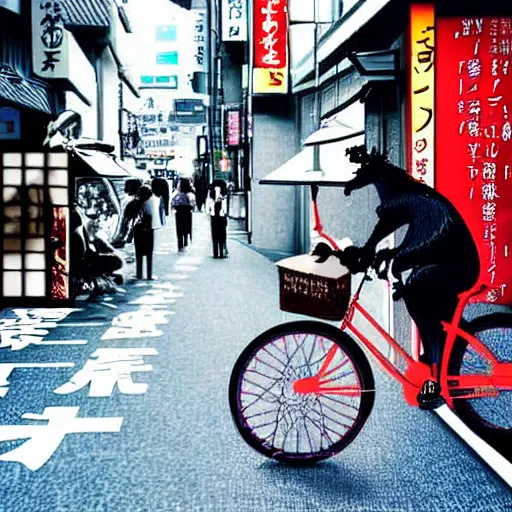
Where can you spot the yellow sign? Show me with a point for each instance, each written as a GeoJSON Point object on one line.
{"type": "Point", "coordinates": [421, 94]}
{"type": "Point", "coordinates": [270, 81]}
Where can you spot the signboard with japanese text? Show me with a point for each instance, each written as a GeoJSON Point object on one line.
{"type": "Point", "coordinates": [55, 52]}
{"type": "Point", "coordinates": [234, 20]}
{"type": "Point", "coordinates": [270, 73]}
{"type": "Point", "coordinates": [233, 127]}
{"type": "Point", "coordinates": [200, 40]}
{"type": "Point", "coordinates": [49, 40]}
{"type": "Point", "coordinates": [473, 133]}
{"type": "Point", "coordinates": [421, 98]}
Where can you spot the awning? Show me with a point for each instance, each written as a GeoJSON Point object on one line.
{"type": "Point", "coordinates": [25, 93]}
{"type": "Point", "coordinates": [336, 169]}
{"type": "Point", "coordinates": [330, 134]}
{"type": "Point", "coordinates": [86, 13]}
{"type": "Point", "coordinates": [102, 164]}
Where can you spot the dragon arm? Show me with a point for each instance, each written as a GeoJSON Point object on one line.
{"type": "Point", "coordinates": [390, 219]}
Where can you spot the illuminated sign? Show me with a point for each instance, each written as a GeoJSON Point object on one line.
{"type": "Point", "coordinates": [270, 73]}
{"type": "Point", "coordinates": [473, 133]}
{"type": "Point", "coordinates": [421, 98]}
{"type": "Point", "coordinates": [233, 127]}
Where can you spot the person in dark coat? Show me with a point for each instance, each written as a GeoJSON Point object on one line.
{"type": "Point", "coordinates": [144, 231]}
{"type": "Point", "coordinates": [183, 204]}
{"type": "Point", "coordinates": [130, 213]}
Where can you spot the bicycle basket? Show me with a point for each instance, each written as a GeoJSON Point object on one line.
{"type": "Point", "coordinates": [316, 289]}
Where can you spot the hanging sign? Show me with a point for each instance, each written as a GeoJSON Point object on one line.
{"type": "Point", "coordinates": [234, 20]}
{"type": "Point", "coordinates": [421, 97]}
{"type": "Point", "coordinates": [473, 133]}
{"type": "Point", "coordinates": [270, 73]}
{"type": "Point", "coordinates": [49, 40]}
{"type": "Point", "coordinates": [55, 52]}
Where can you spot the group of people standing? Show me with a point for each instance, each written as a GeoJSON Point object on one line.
{"type": "Point", "coordinates": [143, 214]}
{"type": "Point", "coordinates": [98, 263]}
{"type": "Point", "coordinates": [147, 211]}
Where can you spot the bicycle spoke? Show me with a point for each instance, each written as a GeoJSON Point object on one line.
{"type": "Point", "coordinates": [292, 424]}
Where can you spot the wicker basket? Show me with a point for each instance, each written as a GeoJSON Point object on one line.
{"type": "Point", "coordinates": [321, 290]}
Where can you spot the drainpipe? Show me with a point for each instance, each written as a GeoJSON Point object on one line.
{"type": "Point", "coordinates": [99, 95]}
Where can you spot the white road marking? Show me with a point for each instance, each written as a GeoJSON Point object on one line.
{"type": "Point", "coordinates": [496, 461]}
{"type": "Point", "coordinates": [64, 342]}
{"type": "Point", "coordinates": [82, 324]}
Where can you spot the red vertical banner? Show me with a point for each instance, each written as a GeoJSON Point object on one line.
{"type": "Point", "coordinates": [473, 132]}
{"type": "Point", "coordinates": [60, 268]}
{"type": "Point", "coordinates": [270, 46]}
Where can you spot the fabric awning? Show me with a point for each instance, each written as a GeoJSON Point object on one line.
{"type": "Point", "coordinates": [26, 93]}
{"type": "Point", "coordinates": [86, 13]}
{"type": "Point", "coordinates": [103, 165]}
{"type": "Point", "coordinates": [336, 169]}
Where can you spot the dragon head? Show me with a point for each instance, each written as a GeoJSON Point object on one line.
{"type": "Point", "coordinates": [369, 170]}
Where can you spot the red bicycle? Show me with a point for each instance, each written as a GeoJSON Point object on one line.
{"type": "Point", "coordinates": [302, 391]}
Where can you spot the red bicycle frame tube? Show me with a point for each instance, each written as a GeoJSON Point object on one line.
{"type": "Point", "coordinates": [416, 372]}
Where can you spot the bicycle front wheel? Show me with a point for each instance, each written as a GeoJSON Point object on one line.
{"type": "Point", "coordinates": [491, 416]}
{"type": "Point", "coordinates": [301, 428]}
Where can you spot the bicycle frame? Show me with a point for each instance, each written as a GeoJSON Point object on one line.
{"type": "Point", "coordinates": [416, 373]}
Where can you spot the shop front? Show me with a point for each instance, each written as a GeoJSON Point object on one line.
{"type": "Point", "coordinates": [52, 199]}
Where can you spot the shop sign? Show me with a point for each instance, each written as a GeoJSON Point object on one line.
{"type": "Point", "coordinates": [234, 20]}
{"type": "Point", "coordinates": [473, 133]}
{"type": "Point", "coordinates": [55, 53]}
{"type": "Point", "coordinates": [270, 73]}
{"type": "Point", "coordinates": [200, 40]}
{"type": "Point", "coordinates": [233, 128]}
{"type": "Point", "coordinates": [49, 40]}
{"type": "Point", "coordinates": [421, 97]}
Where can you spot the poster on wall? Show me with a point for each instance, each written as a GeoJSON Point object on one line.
{"type": "Point", "coordinates": [96, 228]}
{"type": "Point", "coordinates": [270, 47]}
{"type": "Point", "coordinates": [473, 134]}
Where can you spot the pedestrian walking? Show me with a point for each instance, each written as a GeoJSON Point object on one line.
{"type": "Point", "coordinates": [130, 212]}
{"type": "Point", "coordinates": [183, 204]}
{"type": "Point", "coordinates": [217, 210]}
{"type": "Point", "coordinates": [160, 188]}
{"type": "Point", "coordinates": [201, 191]}
{"type": "Point", "coordinates": [147, 221]}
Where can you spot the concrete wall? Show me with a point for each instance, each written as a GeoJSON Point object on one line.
{"type": "Point", "coordinates": [273, 206]}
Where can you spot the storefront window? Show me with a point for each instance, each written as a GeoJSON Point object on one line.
{"type": "Point", "coordinates": [31, 248]}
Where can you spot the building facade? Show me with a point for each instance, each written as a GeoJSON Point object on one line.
{"type": "Point", "coordinates": [56, 57]}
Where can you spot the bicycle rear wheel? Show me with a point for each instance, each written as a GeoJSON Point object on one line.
{"type": "Point", "coordinates": [303, 428]}
{"type": "Point", "coordinates": [490, 417]}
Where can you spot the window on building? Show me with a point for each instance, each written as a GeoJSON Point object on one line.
{"type": "Point", "coordinates": [34, 227]}
{"type": "Point", "coordinates": [171, 81]}
{"type": "Point", "coordinates": [166, 33]}
{"type": "Point", "coordinates": [147, 79]}
{"type": "Point", "coordinates": [167, 58]}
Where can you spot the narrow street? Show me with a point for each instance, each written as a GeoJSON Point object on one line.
{"type": "Point", "coordinates": [167, 442]}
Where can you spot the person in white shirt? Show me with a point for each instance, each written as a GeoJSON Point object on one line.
{"type": "Point", "coordinates": [144, 230]}
{"type": "Point", "coordinates": [218, 211]}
